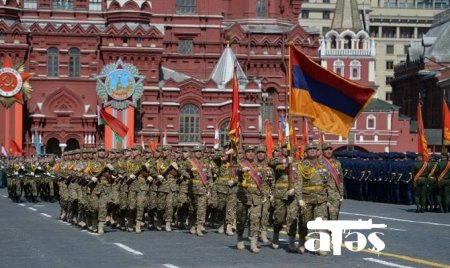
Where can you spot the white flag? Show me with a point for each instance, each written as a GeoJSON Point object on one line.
{"type": "Point", "coordinates": [216, 139]}
{"type": "Point", "coordinates": [165, 138]}
{"type": "Point", "coordinates": [4, 151]}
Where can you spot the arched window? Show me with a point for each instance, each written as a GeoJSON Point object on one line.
{"type": "Point", "coordinates": [74, 62]}
{"type": "Point", "coordinates": [190, 124]}
{"type": "Point", "coordinates": [333, 42]}
{"type": "Point", "coordinates": [347, 42]}
{"type": "Point", "coordinates": [338, 67]}
{"type": "Point", "coordinates": [223, 133]}
{"type": "Point", "coordinates": [371, 122]}
{"type": "Point", "coordinates": [261, 8]}
{"type": "Point", "coordinates": [52, 62]}
{"type": "Point", "coordinates": [267, 107]}
{"type": "Point", "coordinates": [355, 70]}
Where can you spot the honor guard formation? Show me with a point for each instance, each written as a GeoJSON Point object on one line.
{"type": "Point", "coordinates": [198, 188]}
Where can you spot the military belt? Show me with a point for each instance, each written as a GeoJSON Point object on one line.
{"type": "Point", "coordinates": [315, 188]}
{"type": "Point", "coordinates": [281, 184]}
{"type": "Point", "coordinates": [223, 178]}
{"type": "Point", "coordinates": [197, 182]}
{"type": "Point", "coordinates": [250, 186]}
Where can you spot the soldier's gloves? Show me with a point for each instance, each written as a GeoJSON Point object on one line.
{"type": "Point", "coordinates": [174, 165]}
{"type": "Point", "coordinates": [149, 178]}
{"type": "Point", "coordinates": [231, 151]}
{"type": "Point", "coordinates": [94, 179]}
{"type": "Point", "coordinates": [16, 173]}
{"type": "Point", "coordinates": [160, 177]}
{"type": "Point", "coordinates": [110, 167]}
{"type": "Point", "coordinates": [271, 198]}
{"type": "Point", "coordinates": [328, 204]}
{"type": "Point", "coordinates": [31, 173]}
{"type": "Point", "coordinates": [341, 199]}
{"type": "Point", "coordinates": [246, 169]}
{"type": "Point", "coordinates": [147, 166]}
{"type": "Point", "coordinates": [291, 192]}
{"type": "Point", "coordinates": [208, 194]}
{"type": "Point", "coordinates": [193, 169]}
{"type": "Point", "coordinates": [132, 176]}
{"type": "Point", "coordinates": [231, 183]}
{"type": "Point", "coordinates": [121, 176]}
{"type": "Point", "coordinates": [301, 203]}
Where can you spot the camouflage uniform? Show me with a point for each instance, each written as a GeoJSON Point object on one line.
{"type": "Point", "coordinates": [315, 178]}
{"type": "Point", "coordinates": [335, 187]}
{"type": "Point", "coordinates": [226, 188]}
{"type": "Point", "coordinates": [200, 175]}
{"type": "Point", "coordinates": [250, 200]}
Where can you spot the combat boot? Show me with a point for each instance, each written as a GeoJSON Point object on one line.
{"type": "Point", "coordinates": [193, 230]}
{"type": "Point", "coordinates": [291, 245]}
{"type": "Point", "coordinates": [101, 225]}
{"type": "Point", "coordinates": [254, 244]}
{"type": "Point", "coordinates": [276, 240]}
{"type": "Point", "coordinates": [138, 227]}
{"type": "Point", "coordinates": [168, 227]}
{"type": "Point", "coordinates": [199, 230]}
{"type": "Point", "coordinates": [221, 229]}
{"type": "Point", "coordinates": [264, 238]}
{"type": "Point", "coordinates": [240, 243]}
{"type": "Point", "coordinates": [158, 225]}
{"type": "Point", "coordinates": [301, 244]}
{"type": "Point", "coordinates": [230, 229]}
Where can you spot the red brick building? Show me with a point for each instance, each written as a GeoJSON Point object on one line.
{"type": "Point", "coordinates": [175, 44]}
{"type": "Point", "coordinates": [186, 50]}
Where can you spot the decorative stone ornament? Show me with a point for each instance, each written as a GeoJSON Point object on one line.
{"type": "Point", "coordinates": [120, 85]}
{"type": "Point", "coordinates": [14, 84]}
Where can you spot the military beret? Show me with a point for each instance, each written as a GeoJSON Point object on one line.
{"type": "Point", "coordinates": [197, 148]}
{"type": "Point", "coordinates": [137, 147]}
{"type": "Point", "coordinates": [77, 151]}
{"type": "Point", "coordinates": [327, 145]}
{"type": "Point", "coordinates": [261, 149]}
{"type": "Point", "coordinates": [249, 148]}
{"type": "Point", "coordinates": [311, 145]}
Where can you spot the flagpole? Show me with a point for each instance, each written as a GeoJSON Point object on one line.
{"type": "Point", "coordinates": [443, 148]}
{"type": "Point", "coordinates": [288, 97]}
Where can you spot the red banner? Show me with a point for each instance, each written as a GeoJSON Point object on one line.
{"type": "Point", "coordinates": [115, 124]}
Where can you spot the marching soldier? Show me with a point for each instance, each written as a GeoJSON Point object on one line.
{"type": "Point", "coordinates": [250, 199]}
{"type": "Point", "coordinates": [226, 188]}
{"type": "Point", "coordinates": [284, 198]}
{"type": "Point", "coordinates": [200, 175]}
{"type": "Point", "coordinates": [314, 196]}
{"type": "Point", "coordinates": [335, 187]}
{"type": "Point", "coordinates": [266, 174]}
{"type": "Point", "coordinates": [166, 176]}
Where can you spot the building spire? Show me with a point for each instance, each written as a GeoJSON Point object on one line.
{"type": "Point", "coordinates": [346, 16]}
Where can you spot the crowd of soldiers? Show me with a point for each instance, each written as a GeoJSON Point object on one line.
{"type": "Point", "coordinates": [397, 178]}
{"type": "Point", "coordinates": [133, 189]}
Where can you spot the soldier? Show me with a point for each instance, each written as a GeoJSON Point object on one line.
{"type": "Point", "coordinates": [284, 198]}
{"type": "Point", "coordinates": [166, 174]}
{"type": "Point", "coordinates": [183, 190]}
{"type": "Point", "coordinates": [200, 175]}
{"type": "Point", "coordinates": [250, 199]}
{"type": "Point", "coordinates": [266, 174]}
{"type": "Point", "coordinates": [226, 188]}
{"type": "Point", "coordinates": [153, 188]}
{"type": "Point", "coordinates": [420, 171]}
{"type": "Point", "coordinates": [314, 196]}
{"type": "Point", "coordinates": [335, 187]}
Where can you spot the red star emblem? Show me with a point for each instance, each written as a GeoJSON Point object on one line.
{"type": "Point", "coordinates": [14, 84]}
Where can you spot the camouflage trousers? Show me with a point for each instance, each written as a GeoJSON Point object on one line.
{"type": "Point", "coordinates": [250, 212]}
{"type": "Point", "coordinates": [446, 195]}
{"type": "Point", "coordinates": [102, 207]}
{"type": "Point", "coordinates": [165, 206]}
{"type": "Point", "coordinates": [265, 215]}
{"type": "Point", "coordinates": [226, 207]}
{"type": "Point", "coordinates": [285, 210]}
{"type": "Point", "coordinates": [334, 205]}
{"type": "Point", "coordinates": [197, 209]}
{"type": "Point", "coordinates": [308, 213]}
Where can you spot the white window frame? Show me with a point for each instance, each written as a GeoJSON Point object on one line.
{"type": "Point", "coordinates": [355, 64]}
{"type": "Point", "coordinates": [339, 64]}
{"type": "Point", "coordinates": [371, 117]}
